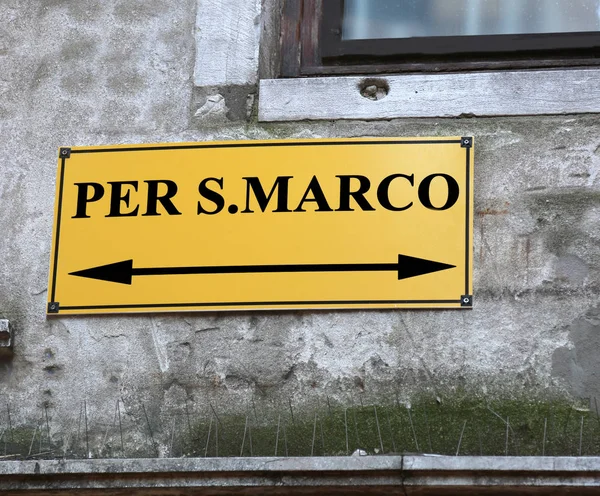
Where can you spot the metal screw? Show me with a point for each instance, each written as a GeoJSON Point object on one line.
{"type": "Point", "coordinates": [466, 300]}
{"type": "Point", "coordinates": [466, 142]}
{"type": "Point", "coordinates": [64, 152]}
{"type": "Point", "coordinates": [53, 306]}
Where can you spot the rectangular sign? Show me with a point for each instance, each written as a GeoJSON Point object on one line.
{"type": "Point", "coordinates": [316, 224]}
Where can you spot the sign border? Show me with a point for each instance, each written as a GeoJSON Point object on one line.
{"type": "Point", "coordinates": [65, 153]}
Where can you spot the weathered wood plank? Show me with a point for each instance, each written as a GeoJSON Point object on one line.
{"type": "Point", "coordinates": [290, 38]}
{"type": "Point", "coordinates": [438, 95]}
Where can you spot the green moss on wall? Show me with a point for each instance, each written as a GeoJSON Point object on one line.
{"type": "Point", "coordinates": [461, 425]}
{"type": "Point", "coordinates": [430, 425]}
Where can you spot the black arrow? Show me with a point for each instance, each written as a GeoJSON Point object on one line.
{"type": "Point", "coordinates": [122, 272]}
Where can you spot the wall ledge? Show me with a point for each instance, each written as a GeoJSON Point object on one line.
{"type": "Point", "coordinates": [533, 92]}
{"type": "Point", "coordinates": [407, 474]}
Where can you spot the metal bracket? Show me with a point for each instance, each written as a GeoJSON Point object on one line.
{"type": "Point", "coordinates": [64, 153]}
{"type": "Point", "coordinates": [53, 307]}
{"type": "Point", "coordinates": [466, 142]}
{"type": "Point", "coordinates": [466, 301]}
{"type": "Point", "coordinates": [6, 339]}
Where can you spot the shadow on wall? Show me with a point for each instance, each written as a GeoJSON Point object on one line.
{"type": "Point", "coordinates": [579, 364]}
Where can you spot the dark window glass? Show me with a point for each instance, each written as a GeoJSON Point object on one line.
{"type": "Point", "coordinates": [322, 37]}
{"type": "Point", "coordinates": [376, 19]}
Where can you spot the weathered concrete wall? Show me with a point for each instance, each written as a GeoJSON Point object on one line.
{"type": "Point", "coordinates": [89, 73]}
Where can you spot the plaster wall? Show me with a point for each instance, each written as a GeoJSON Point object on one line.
{"type": "Point", "coordinates": [90, 73]}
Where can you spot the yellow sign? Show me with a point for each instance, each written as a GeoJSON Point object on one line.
{"type": "Point", "coordinates": [319, 224]}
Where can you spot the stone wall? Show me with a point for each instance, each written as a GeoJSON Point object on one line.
{"type": "Point", "coordinates": [130, 71]}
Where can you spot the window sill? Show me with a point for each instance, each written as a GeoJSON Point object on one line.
{"type": "Point", "coordinates": [533, 92]}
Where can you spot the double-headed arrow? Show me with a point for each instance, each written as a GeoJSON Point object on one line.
{"type": "Point", "coordinates": [123, 272]}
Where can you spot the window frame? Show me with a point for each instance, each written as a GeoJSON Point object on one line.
{"type": "Point", "coordinates": [312, 46]}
